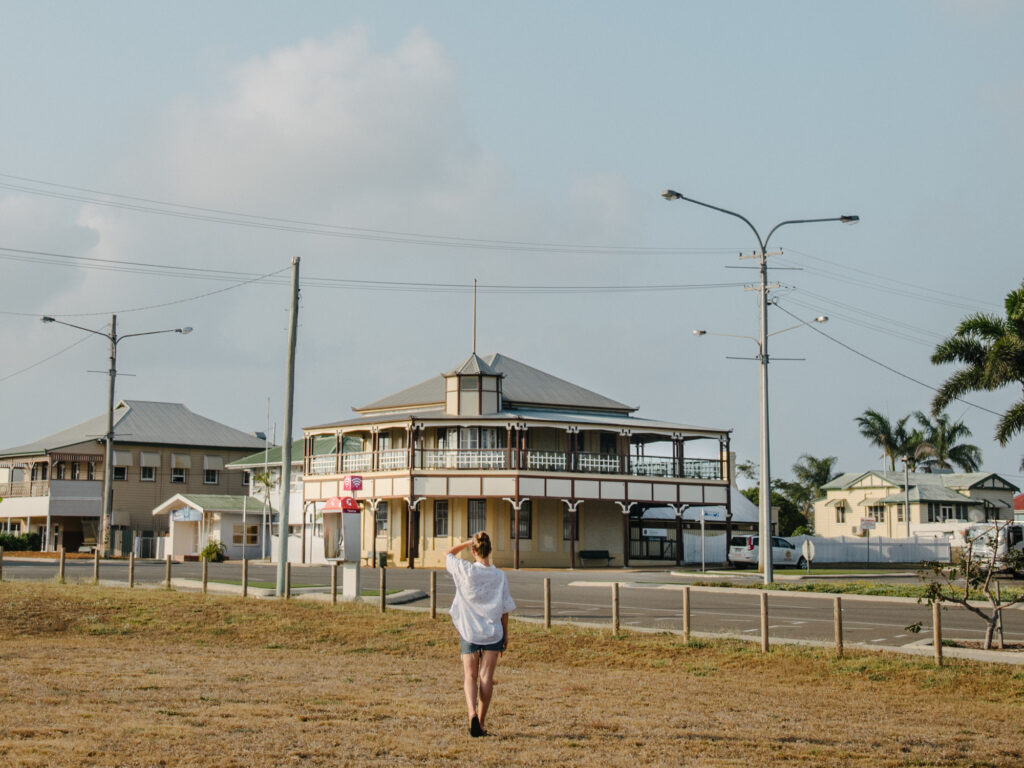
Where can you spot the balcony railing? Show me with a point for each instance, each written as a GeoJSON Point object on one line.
{"type": "Point", "coordinates": [25, 488]}
{"type": "Point", "coordinates": [395, 459]}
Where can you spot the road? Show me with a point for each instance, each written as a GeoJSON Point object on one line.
{"type": "Point", "coordinates": [648, 599]}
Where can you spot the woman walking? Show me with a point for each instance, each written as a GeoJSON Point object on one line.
{"type": "Point", "coordinates": [480, 613]}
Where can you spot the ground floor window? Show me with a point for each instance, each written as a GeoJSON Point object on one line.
{"type": "Point", "coordinates": [476, 517]}
{"type": "Point", "coordinates": [567, 527]}
{"type": "Point", "coordinates": [147, 474]}
{"type": "Point", "coordinates": [939, 513]}
{"type": "Point", "coordinates": [441, 517]}
{"type": "Point", "coordinates": [178, 475]}
{"type": "Point", "coordinates": [840, 513]}
{"type": "Point", "coordinates": [380, 523]}
{"type": "Point", "coordinates": [250, 534]}
{"type": "Point", "coordinates": [91, 471]}
{"type": "Point", "coordinates": [121, 473]}
{"type": "Point", "coordinates": [211, 476]}
{"type": "Point", "coordinates": [899, 514]}
{"type": "Point", "coordinates": [525, 527]}
{"type": "Point", "coordinates": [877, 513]}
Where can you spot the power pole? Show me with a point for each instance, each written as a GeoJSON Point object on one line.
{"type": "Point", "coordinates": [286, 446]}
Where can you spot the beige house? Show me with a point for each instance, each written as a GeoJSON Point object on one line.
{"type": "Point", "coordinates": [940, 503]}
{"type": "Point", "coordinates": [54, 486]}
{"type": "Point", "coordinates": [548, 468]}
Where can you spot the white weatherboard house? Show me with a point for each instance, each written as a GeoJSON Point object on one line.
{"type": "Point", "coordinates": [941, 504]}
{"type": "Point", "coordinates": [195, 520]}
{"type": "Point", "coordinates": [550, 469]}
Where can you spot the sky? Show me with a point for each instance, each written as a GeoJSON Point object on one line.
{"type": "Point", "coordinates": [167, 161]}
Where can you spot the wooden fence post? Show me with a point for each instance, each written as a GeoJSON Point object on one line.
{"type": "Point", "coordinates": [433, 594]}
{"type": "Point", "coordinates": [547, 603]}
{"type": "Point", "coordinates": [167, 572]}
{"type": "Point", "coordinates": [383, 588]}
{"type": "Point", "coordinates": [245, 577]}
{"type": "Point", "coordinates": [131, 569]}
{"type": "Point", "coordinates": [95, 566]}
{"type": "Point", "coordinates": [206, 573]}
{"type": "Point", "coordinates": [686, 614]}
{"type": "Point", "coordinates": [937, 631]}
{"type": "Point", "coordinates": [287, 581]}
{"type": "Point", "coordinates": [60, 568]}
{"type": "Point", "coordinates": [838, 614]}
{"type": "Point", "coordinates": [764, 622]}
{"type": "Point", "coordinates": [334, 583]}
{"type": "Point", "coordinates": [1, 563]}
{"type": "Point", "coordinates": [615, 608]}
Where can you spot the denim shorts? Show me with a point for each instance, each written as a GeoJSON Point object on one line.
{"type": "Point", "coordinates": [468, 647]}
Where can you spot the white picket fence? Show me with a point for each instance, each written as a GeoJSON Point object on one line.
{"type": "Point", "coordinates": [876, 549]}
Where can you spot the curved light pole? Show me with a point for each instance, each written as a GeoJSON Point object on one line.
{"type": "Point", "coordinates": [764, 523]}
{"type": "Point", "coordinates": [108, 469]}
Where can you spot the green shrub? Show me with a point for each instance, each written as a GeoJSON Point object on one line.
{"type": "Point", "coordinates": [26, 542]}
{"type": "Point", "coordinates": [214, 552]}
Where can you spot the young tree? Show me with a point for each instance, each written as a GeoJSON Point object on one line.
{"type": "Point", "coordinates": [990, 350]}
{"type": "Point", "coordinates": [960, 582]}
{"type": "Point", "coordinates": [940, 445]}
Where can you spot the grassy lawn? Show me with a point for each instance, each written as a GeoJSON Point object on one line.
{"type": "Point", "coordinates": [96, 676]}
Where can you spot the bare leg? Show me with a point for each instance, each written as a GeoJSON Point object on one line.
{"type": "Point", "coordinates": [487, 666]}
{"type": "Point", "coordinates": [470, 665]}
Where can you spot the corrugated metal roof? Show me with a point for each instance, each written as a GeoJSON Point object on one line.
{"type": "Point", "coordinates": [273, 457]}
{"type": "Point", "coordinates": [149, 423]}
{"type": "Point", "coordinates": [612, 420]}
{"type": "Point", "coordinates": [942, 479]}
{"type": "Point", "coordinates": [522, 385]}
{"type": "Point", "coordinates": [472, 366]}
{"type": "Point", "coordinates": [930, 492]}
{"type": "Point", "coordinates": [213, 502]}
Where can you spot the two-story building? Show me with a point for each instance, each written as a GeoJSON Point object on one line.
{"type": "Point", "coordinates": [940, 503]}
{"type": "Point", "coordinates": [54, 485]}
{"type": "Point", "coordinates": [550, 469]}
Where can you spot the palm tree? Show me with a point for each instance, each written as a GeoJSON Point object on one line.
{"type": "Point", "coordinates": [940, 446]}
{"type": "Point", "coordinates": [811, 473]}
{"type": "Point", "coordinates": [893, 439]}
{"type": "Point", "coordinates": [991, 350]}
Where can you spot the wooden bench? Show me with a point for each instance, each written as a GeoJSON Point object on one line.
{"type": "Point", "coordinates": [595, 554]}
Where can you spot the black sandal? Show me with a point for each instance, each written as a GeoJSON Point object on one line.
{"type": "Point", "coordinates": [474, 727]}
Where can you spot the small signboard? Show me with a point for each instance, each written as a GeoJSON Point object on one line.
{"type": "Point", "coordinates": [867, 524]}
{"type": "Point", "coordinates": [186, 515]}
{"type": "Point", "coordinates": [655, 533]}
{"type": "Point", "coordinates": [339, 504]}
{"type": "Point", "coordinates": [352, 483]}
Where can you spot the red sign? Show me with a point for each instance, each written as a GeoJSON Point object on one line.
{"type": "Point", "coordinates": [352, 483]}
{"type": "Point", "coordinates": [339, 504]}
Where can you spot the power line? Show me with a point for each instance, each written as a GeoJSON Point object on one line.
{"type": "Point", "coordinates": [45, 359]}
{"type": "Point", "coordinates": [888, 284]}
{"type": "Point", "coordinates": [199, 273]}
{"type": "Point", "coordinates": [889, 368]}
{"type": "Point", "coordinates": [238, 218]}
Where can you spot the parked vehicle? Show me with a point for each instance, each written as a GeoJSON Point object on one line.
{"type": "Point", "coordinates": [744, 551]}
{"type": "Point", "coordinates": [1007, 538]}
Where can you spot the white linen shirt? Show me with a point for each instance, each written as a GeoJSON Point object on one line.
{"type": "Point", "coordinates": [481, 597]}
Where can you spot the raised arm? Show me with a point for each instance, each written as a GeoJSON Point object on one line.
{"type": "Point", "coordinates": [459, 547]}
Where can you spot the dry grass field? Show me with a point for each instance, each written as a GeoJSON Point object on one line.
{"type": "Point", "coordinates": [102, 677]}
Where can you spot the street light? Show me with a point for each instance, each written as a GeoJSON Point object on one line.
{"type": "Point", "coordinates": [764, 523]}
{"type": "Point", "coordinates": [108, 470]}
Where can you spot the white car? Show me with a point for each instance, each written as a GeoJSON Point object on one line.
{"type": "Point", "coordinates": [744, 551]}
